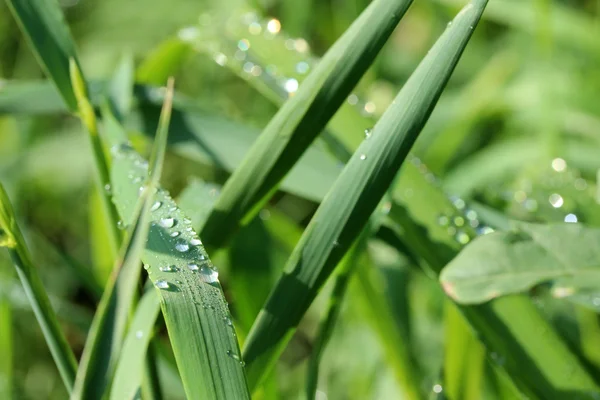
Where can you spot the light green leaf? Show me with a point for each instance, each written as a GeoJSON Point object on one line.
{"type": "Point", "coordinates": [501, 263]}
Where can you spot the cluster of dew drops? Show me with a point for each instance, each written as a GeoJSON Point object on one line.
{"type": "Point", "coordinates": [181, 231]}
{"type": "Point", "coordinates": [240, 57]}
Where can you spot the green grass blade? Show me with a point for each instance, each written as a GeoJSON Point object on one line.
{"type": "Point", "coordinates": [43, 24]}
{"type": "Point", "coordinates": [11, 237]}
{"type": "Point", "coordinates": [192, 301]}
{"type": "Point", "coordinates": [103, 344]}
{"type": "Point", "coordinates": [345, 210]}
{"type": "Point", "coordinates": [464, 358]}
{"type": "Point", "coordinates": [130, 369]}
{"type": "Point", "coordinates": [6, 349]}
{"type": "Point", "coordinates": [330, 316]}
{"type": "Point", "coordinates": [300, 120]}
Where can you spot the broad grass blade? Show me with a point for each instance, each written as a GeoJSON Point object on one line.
{"type": "Point", "coordinates": [104, 341]}
{"type": "Point", "coordinates": [345, 210]}
{"type": "Point", "coordinates": [300, 120]}
{"type": "Point", "coordinates": [195, 311]}
{"type": "Point", "coordinates": [43, 24]}
{"type": "Point", "coordinates": [12, 239]}
{"type": "Point", "coordinates": [130, 369]}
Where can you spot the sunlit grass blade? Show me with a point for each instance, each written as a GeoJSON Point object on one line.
{"type": "Point", "coordinates": [104, 341]}
{"type": "Point", "coordinates": [194, 308]}
{"type": "Point", "coordinates": [464, 358]}
{"type": "Point", "coordinates": [301, 119]}
{"type": "Point", "coordinates": [12, 239]}
{"type": "Point", "coordinates": [43, 24]}
{"type": "Point", "coordinates": [130, 369]}
{"type": "Point", "coordinates": [345, 210]}
{"type": "Point", "coordinates": [6, 349]}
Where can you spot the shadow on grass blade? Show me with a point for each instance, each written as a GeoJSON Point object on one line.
{"type": "Point", "coordinates": [105, 338]}
{"type": "Point", "coordinates": [347, 207]}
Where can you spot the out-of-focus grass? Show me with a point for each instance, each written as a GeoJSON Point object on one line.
{"type": "Point", "coordinates": [517, 126]}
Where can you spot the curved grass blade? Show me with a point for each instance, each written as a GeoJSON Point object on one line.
{"type": "Point", "coordinates": [502, 263]}
{"type": "Point", "coordinates": [345, 210]}
{"type": "Point", "coordinates": [43, 24]}
{"type": "Point", "coordinates": [12, 239]}
{"type": "Point", "coordinates": [193, 305]}
{"type": "Point", "coordinates": [104, 340]}
{"type": "Point", "coordinates": [300, 120]}
{"type": "Point", "coordinates": [130, 369]}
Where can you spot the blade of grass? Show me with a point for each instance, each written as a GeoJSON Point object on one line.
{"type": "Point", "coordinates": [301, 119]}
{"type": "Point", "coordinates": [330, 316]}
{"type": "Point", "coordinates": [11, 237]}
{"type": "Point", "coordinates": [345, 210]}
{"type": "Point", "coordinates": [196, 314]}
{"type": "Point", "coordinates": [43, 24]}
{"type": "Point", "coordinates": [103, 344]}
{"type": "Point", "coordinates": [130, 369]}
{"type": "Point", "coordinates": [6, 349]}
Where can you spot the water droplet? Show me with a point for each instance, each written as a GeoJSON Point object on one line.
{"type": "Point", "coordinates": [201, 257]}
{"type": "Point", "coordinates": [497, 358]}
{"type": "Point", "coordinates": [254, 28]}
{"type": "Point", "coordinates": [220, 59]}
{"type": "Point", "coordinates": [459, 221]}
{"type": "Point", "coordinates": [484, 230]}
{"type": "Point", "coordinates": [368, 133]}
{"type": "Point", "coordinates": [302, 67]}
{"type": "Point", "coordinates": [291, 85]}
{"type": "Point", "coordinates": [121, 225]}
{"type": "Point", "coordinates": [274, 26]}
{"type": "Point", "coordinates": [301, 45]}
{"type": "Point", "coordinates": [187, 221]}
{"type": "Point", "coordinates": [146, 266]}
{"type": "Point", "coordinates": [108, 188]}
{"type": "Point", "coordinates": [264, 214]}
{"type": "Point", "coordinates": [139, 334]}
{"type": "Point", "coordinates": [370, 107]}
{"type": "Point", "coordinates": [167, 222]}
{"type": "Point", "coordinates": [443, 220]}
{"type": "Point", "coordinates": [188, 34]}
{"type": "Point", "coordinates": [559, 165]}
{"type": "Point", "coordinates": [195, 242]}
{"type": "Point", "coordinates": [471, 215]}
{"type": "Point", "coordinates": [556, 200]}
{"type": "Point", "coordinates": [209, 275]}
{"type": "Point", "coordinates": [174, 234]}
{"type": "Point", "coordinates": [437, 388]}
{"type": "Point", "coordinates": [580, 184]}
{"type": "Point", "coordinates": [169, 268]}
{"type": "Point", "coordinates": [243, 45]}
{"type": "Point", "coordinates": [228, 321]}
{"type": "Point", "coordinates": [387, 207]}
{"type": "Point", "coordinates": [462, 237]}
{"type": "Point", "coordinates": [353, 99]}
{"type": "Point", "coordinates": [449, 24]}
{"type": "Point", "coordinates": [458, 202]}
{"type": "Point", "coordinates": [560, 292]}
{"type": "Point", "coordinates": [572, 218]}
{"type": "Point", "coordinates": [235, 357]}
{"type": "Point", "coordinates": [156, 206]}
{"type": "Point", "coordinates": [182, 247]}
{"type": "Point", "coordinates": [363, 156]}
{"type": "Point", "coordinates": [162, 284]}
{"type": "Point", "coordinates": [193, 267]}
